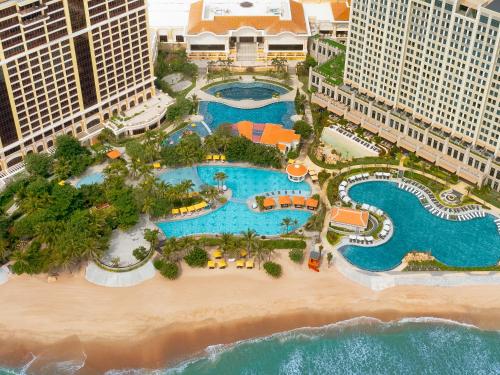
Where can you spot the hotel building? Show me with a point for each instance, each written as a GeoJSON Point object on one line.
{"type": "Point", "coordinates": [328, 18]}
{"type": "Point", "coordinates": [67, 67]}
{"type": "Point", "coordinates": [249, 32]}
{"type": "Point", "coordinates": [424, 74]}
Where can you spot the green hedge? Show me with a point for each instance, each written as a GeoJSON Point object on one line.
{"type": "Point", "coordinates": [273, 269]}
{"type": "Point", "coordinates": [284, 244]}
{"type": "Point", "coordinates": [435, 265]}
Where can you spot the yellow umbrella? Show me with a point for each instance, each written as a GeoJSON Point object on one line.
{"type": "Point", "coordinates": [175, 211]}
{"type": "Point", "coordinates": [156, 165]}
{"type": "Point", "coordinates": [208, 157]}
{"type": "Point", "coordinates": [222, 263]}
{"type": "Point", "coordinates": [190, 209]}
{"type": "Point", "coordinates": [61, 183]}
{"type": "Point", "coordinates": [211, 264]}
{"type": "Point", "coordinates": [291, 161]}
{"type": "Point", "coordinates": [193, 125]}
{"type": "Point", "coordinates": [217, 254]}
{"type": "Point", "coordinates": [240, 264]}
{"type": "Point", "coordinates": [249, 264]}
{"type": "Point", "coordinates": [223, 157]}
{"type": "Point", "coordinates": [203, 204]}
{"type": "Point", "coordinates": [243, 253]}
{"type": "Point", "coordinates": [183, 210]}
{"type": "Point", "coordinates": [216, 157]}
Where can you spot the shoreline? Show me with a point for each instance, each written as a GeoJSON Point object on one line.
{"type": "Point", "coordinates": [161, 323]}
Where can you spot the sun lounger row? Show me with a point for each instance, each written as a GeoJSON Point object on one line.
{"type": "Point", "coordinates": [471, 215]}
{"type": "Point", "coordinates": [281, 192]}
{"type": "Point", "coordinates": [358, 177]}
{"type": "Point", "coordinates": [215, 157]}
{"type": "Point", "coordinates": [497, 222]}
{"type": "Point", "coordinates": [361, 239]}
{"type": "Point", "coordinates": [190, 209]}
{"type": "Point", "coordinates": [382, 175]}
{"type": "Point", "coordinates": [355, 138]}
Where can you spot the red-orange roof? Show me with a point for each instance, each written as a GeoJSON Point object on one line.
{"type": "Point", "coordinates": [221, 25]}
{"type": "Point", "coordinates": [312, 203]}
{"type": "Point", "coordinates": [245, 129]}
{"type": "Point", "coordinates": [284, 199]}
{"type": "Point", "coordinates": [349, 216]}
{"type": "Point", "coordinates": [114, 154]}
{"type": "Point", "coordinates": [269, 202]}
{"type": "Point", "coordinates": [275, 134]}
{"type": "Point", "coordinates": [299, 200]}
{"type": "Point", "coordinates": [340, 10]}
{"type": "Point", "coordinates": [296, 170]}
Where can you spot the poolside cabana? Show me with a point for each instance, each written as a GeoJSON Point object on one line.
{"type": "Point", "coordinates": [284, 201]}
{"type": "Point", "coordinates": [312, 204]}
{"type": "Point", "coordinates": [269, 203]}
{"type": "Point", "coordinates": [299, 201]}
{"type": "Point", "coordinates": [349, 218]}
{"type": "Point", "coordinates": [114, 154]}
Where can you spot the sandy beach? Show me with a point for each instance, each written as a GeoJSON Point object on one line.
{"type": "Point", "coordinates": [162, 321]}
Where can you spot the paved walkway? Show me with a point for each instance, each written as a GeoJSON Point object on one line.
{"type": "Point", "coordinates": [99, 276]}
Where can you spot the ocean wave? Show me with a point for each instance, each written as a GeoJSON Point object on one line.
{"type": "Point", "coordinates": [213, 352]}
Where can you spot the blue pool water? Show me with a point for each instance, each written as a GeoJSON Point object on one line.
{"type": "Point", "coordinates": [94, 178]}
{"type": "Point", "coordinates": [235, 216]}
{"type": "Point", "coordinates": [463, 244]}
{"type": "Point", "coordinates": [198, 128]}
{"type": "Point", "coordinates": [253, 90]}
{"type": "Point", "coordinates": [216, 114]}
{"type": "Point", "coordinates": [181, 174]}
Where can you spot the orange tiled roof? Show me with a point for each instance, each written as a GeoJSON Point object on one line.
{"type": "Point", "coordinates": [284, 199]}
{"type": "Point", "coordinates": [312, 203]}
{"type": "Point", "coordinates": [245, 129]}
{"type": "Point", "coordinates": [114, 154]}
{"type": "Point", "coordinates": [221, 25]}
{"type": "Point", "coordinates": [269, 202]}
{"type": "Point", "coordinates": [274, 134]}
{"type": "Point", "coordinates": [340, 10]}
{"type": "Point", "coordinates": [349, 216]}
{"type": "Point", "coordinates": [296, 170]}
{"type": "Point", "coordinates": [299, 200]}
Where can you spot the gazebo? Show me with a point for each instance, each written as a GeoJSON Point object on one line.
{"type": "Point", "coordinates": [296, 172]}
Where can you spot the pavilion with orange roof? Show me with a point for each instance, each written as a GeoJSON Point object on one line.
{"type": "Point", "coordinates": [349, 218]}
{"type": "Point", "coordinates": [268, 134]}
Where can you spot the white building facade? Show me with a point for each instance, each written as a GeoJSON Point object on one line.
{"type": "Point", "coordinates": [425, 75]}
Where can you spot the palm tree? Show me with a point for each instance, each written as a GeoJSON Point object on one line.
{"type": "Point", "coordinates": [260, 252]}
{"type": "Point", "coordinates": [209, 193]}
{"type": "Point", "coordinates": [195, 101]}
{"type": "Point", "coordinates": [250, 237]}
{"type": "Point", "coordinates": [220, 177]}
{"type": "Point", "coordinates": [295, 222]}
{"type": "Point", "coordinates": [227, 243]}
{"type": "Point", "coordinates": [285, 223]}
{"type": "Point", "coordinates": [152, 236]}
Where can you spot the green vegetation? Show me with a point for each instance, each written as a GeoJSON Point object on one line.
{"type": "Point", "coordinates": [284, 244]}
{"type": "Point", "coordinates": [333, 69]}
{"type": "Point", "coordinates": [331, 42]}
{"type": "Point", "coordinates": [188, 151]}
{"type": "Point", "coordinates": [167, 269]}
{"type": "Point", "coordinates": [436, 187]}
{"type": "Point", "coordinates": [303, 129]}
{"type": "Point", "coordinates": [300, 102]}
{"type": "Point", "coordinates": [488, 195]}
{"type": "Point", "coordinates": [333, 237]}
{"type": "Point", "coordinates": [323, 176]}
{"type": "Point", "coordinates": [39, 164]}
{"type": "Point", "coordinates": [414, 162]}
{"type": "Point", "coordinates": [273, 269]}
{"type": "Point", "coordinates": [316, 221]}
{"type": "Point", "coordinates": [296, 255]}
{"type": "Point", "coordinates": [140, 253]}
{"type": "Point", "coordinates": [173, 62]}
{"type": "Point", "coordinates": [197, 257]}
{"type": "Point", "coordinates": [181, 108]}
{"type": "Point", "coordinates": [435, 265]}
{"type": "Point", "coordinates": [71, 158]}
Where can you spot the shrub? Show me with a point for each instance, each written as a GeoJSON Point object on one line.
{"type": "Point", "coordinates": [167, 269]}
{"type": "Point", "coordinates": [140, 253]}
{"type": "Point", "coordinates": [273, 269]}
{"type": "Point", "coordinates": [296, 255]}
{"type": "Point", "coordinates": [197, 257]}
{"type": "Point", "coordinates": [293, 154]}
{"type": "Point", "coordinates": [303, 129]}
{"type": "Point", "coordinates": [332, 237]}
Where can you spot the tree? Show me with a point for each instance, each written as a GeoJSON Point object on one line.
{"type": "Point", "coordinates": [296, 255]}
{"type": "Point", "coordinates": [220, 177]}
{"type": "Point", "coordinates": [167, 269]}
{"type": "Point", "coordinates": [209, 193]}
{"type": "Point", "coordinates": [195, 101]}
{"type": "Point", "coordinates": [273, 269]}
{"type": "Point", "coordinates": [228, 245]}
{"type": "Point", "coordinates": [152, 236]}
{"type": "Point", "coordinates": [38, 164]}
{"type": "Point", "coordinates": [140, 253]}
{"type": "Point", "coordinates": [250, 237]}
{"type": "Point", "coordinates": [197, 257]}
{"type": "Point", "coordinates": [303, 129]}
{"type": "Point", "coordinates": [285, 223]}
{"type": "Point", "coordinates": [329, 258]}
{"type": "Point", "coordinates": [260, 252]}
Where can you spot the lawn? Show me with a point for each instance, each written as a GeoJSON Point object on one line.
{"type": "Point", "coordinates": [333, 69]}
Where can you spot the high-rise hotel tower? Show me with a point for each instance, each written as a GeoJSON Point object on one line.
{"type": "Point", "coordinates": [425, 74]}
{"type": "Point", "coordinates": [66, 66]}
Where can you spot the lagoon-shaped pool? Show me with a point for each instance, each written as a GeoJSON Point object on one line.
{"type": "Point", "coordinates": [235, 216]}
{"type": "Point", "coordinates": [249, 90]}
{"type": "Point", "coordinates": [462, 244]}
{"type": "Point", "coordinates": [216, 114]}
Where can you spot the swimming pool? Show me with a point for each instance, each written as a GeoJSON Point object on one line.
{"type": "Point", "coordinates": [94, 178]}
{"type": "Point", "coordinates": [195, 127]}
{"type": "Point", "coordinates": [250, 90]}
{"type": "Point", "coordinates": [235, 216]}
{"type": "Point", "coordinates": [462, 244]}
{"type": "Point", "coordinates": [216, 114]}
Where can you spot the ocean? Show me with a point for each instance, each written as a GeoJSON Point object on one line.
{"type": "Point", "coordinates": [356, 346]}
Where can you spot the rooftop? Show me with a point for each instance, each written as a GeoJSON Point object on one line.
{"type": "Point", "coordinates": [168, 13]}
{"type": "Point", "coordinates": [268, 134]}
{"type": "Point", "coordinates": [222, 16]}
{"type": "Point", "coordinates": [349, 216]}
{"type": "Point", "coordinates": [494, 5]}
{"type": "Point", "coordinates": [296, 170]}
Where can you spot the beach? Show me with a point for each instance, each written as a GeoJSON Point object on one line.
{"type": "Point", "coordinates": [162, 321]}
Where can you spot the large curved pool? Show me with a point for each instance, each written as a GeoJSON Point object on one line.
{"type": "Point", "coordinates": [216, 114]}
{"type": "Point", "coordinates": [251, 90]}
{"type": "Point", "coordinates": [235, 216]}
{"type": "Point", "coordinates": [462, 244]}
